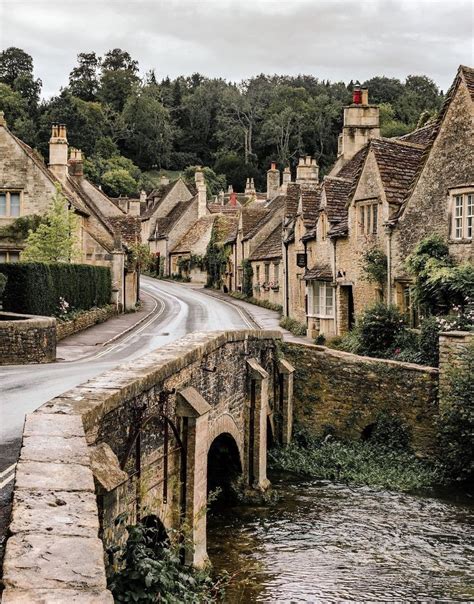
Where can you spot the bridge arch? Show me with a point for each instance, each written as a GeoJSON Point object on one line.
{"type": "Point", "coordinates": [226, 424]}
{"type": "Point", "coordinates": [224, 466]}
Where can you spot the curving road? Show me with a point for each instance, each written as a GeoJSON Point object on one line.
{"type": "Point", "coordinates": [179, 310]}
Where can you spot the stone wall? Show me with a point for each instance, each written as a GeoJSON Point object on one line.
{"type": "Point", "coordinates": [452, 347]}
{"type": "Point", "coordinates": [86, 435]}
{"type": "Point", "coordinates": [84, 320]}
{"type": "Point", "coordinates": [347, 392]}
{"type": "Point", "coordinates": [27, 339]}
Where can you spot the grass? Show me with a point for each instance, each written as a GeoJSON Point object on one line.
{"type": "Point", "coordinates": [358, 463]}
{"type": "Point", "coordinates": [257, 302]}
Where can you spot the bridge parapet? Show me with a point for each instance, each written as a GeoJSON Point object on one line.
{"type": "Point", "coordinates": [139, 435]}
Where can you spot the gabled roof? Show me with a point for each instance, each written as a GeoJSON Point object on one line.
{"type": "Point", "coordinates": [421, 136]}
{"type": "Point", "coordinates": [155, 198]}
{"type": "Point", "coordinates": [292, 199]}
{"type": "Point", "coordinates": [270, 247]}
{"type": "Point", "coordinates": [273, 207]}
{"type": "Point", "coordinates": [251, 216]}
{"type": "Point", "coordinates": [336, 193]}
{"type": "Point", "coordinates": [128, 226]}
{"type": "Point", "coordinates": [468, 75]}
{"type": "Point", "coordinates": [165, 224]}
{"type": "Point", "coordinates": [399, 163]}
{"type": "Point", "coordinates": [201, 228]}
{"type": "Point", "coordinates": [319, 272]}
{"type": "Point", "coordinates": [310, 201]}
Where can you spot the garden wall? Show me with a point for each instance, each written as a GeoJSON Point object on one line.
{"type": "Point", "coordinates": [26, 339]}
{"type": "Point", "coordinates": [84, 320]}
{"type": "Point", "coordinates": [346, 392]}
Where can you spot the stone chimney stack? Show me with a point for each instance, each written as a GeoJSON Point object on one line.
{"type": "Point", "coordinates": [3, 121]}
{"type": "Point", "coordinates": [273, 181]}
{"type": "Point", "coordinates": [361, 124]}
{"type": "Point", "coordinates": [221, 197]}
{"type": "Point", "coordinates": [142, 196]}
{"type": "Point", "coordinates": [76, 166]}
{"type": "Point", "coordinates": [307, 171]}
{"type": "Point", "coordinates": [202, 192]}
{"type": "Point", "coordinates": [164, 180]}
{"type": "Point", "coordinates": [58, 151]}
{"type": "Point", "coordinates": [285, 180]}
{"type": "Point", "coordinates": [230, 189]}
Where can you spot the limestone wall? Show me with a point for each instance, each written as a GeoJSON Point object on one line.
{"type": "Point", "coordinates": [347, 392]}
{"type": "Point", "coordinates": [84, 320]}
{"type": "Point", "coordinates": [27, 339]}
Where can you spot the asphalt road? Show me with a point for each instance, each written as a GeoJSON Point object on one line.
{"type": "Point", "coordinates": [179, 310]}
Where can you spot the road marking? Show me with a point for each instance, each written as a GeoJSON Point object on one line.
{"type": "Point", "coordinates": [8, 470]}
{"type": "Point", "coordinates": [5, 482]}
{"type": "Point", "coordinates": [132, 334]}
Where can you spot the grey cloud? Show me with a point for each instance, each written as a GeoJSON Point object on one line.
{"type": "Point", "coordinates": [334, 39]}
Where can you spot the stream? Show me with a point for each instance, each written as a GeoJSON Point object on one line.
{"type": "Point", "coordinates": [328, 542]}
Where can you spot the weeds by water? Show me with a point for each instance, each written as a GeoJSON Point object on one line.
{"type": "Point", "coordinates": [358, 463]}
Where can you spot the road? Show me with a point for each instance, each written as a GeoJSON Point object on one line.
{"type": "Point", "coordinates": [23, 388]}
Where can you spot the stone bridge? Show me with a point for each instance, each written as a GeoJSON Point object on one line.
{"type": "Point", "coordinates": [148, 439]}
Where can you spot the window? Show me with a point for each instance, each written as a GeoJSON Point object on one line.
{"type": "Point", "coordinates": [7, 256]}
{"type": "Point", "coordinates": [10, 203]}
{"type": "Point", "coordinates": [368, 218]}
{"type": "Point", "coordinates": [463, 216]}
{"type": "Point", "coordinates": [322, 299]}
{"type": "Point", "coordinates": [267, 273]}
{"type": "Point", "coordinates": [257, 273]}
{"type": "Point", "coordinates": [276, 273]}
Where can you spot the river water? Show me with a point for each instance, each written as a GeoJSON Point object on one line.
{"type": "Point", "coordinates": [327, 542]}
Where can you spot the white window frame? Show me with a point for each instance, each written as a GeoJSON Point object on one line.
{"type": "Point", "coordinates": [8, 193]}
{"type": "Point", "coordinates": [318, 292]}
{"type": "Point", "coordinates": [462, 221]}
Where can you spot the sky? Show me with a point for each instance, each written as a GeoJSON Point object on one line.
{"type": "Point", "coordinates": [236, 39]}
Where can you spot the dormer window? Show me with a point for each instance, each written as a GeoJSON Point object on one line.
{"type": "Point", "coordinates": [463, 216]}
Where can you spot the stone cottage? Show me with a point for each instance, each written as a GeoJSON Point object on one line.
{"type": "Point", "coordinates": [27, 187]}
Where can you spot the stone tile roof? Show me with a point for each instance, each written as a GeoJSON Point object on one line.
{"type": "Point", "coordinates": [226, 227]}
{"type": "Point", "coordinates": [398, 164]}
{"type": "Point", "coordinates": [251, 216]}
{"type": "Point", "coordinates": [340, 228]}
{"type": "Point", "coordinates": [421, 136]}
{"type": "Point", "coordinates": [310, 201]}
{"type": "Point", "coordinates": [155, 198]}
{"type": "Point", "coordinates": [468, 75]}
{"type": "Point", "coordinates": [217, 208]}
{"type": "Point", "coordinates": [165, 224]}
{"type": "Point", "coordinates": [270, 247]}
{"type": "Point", "coordinates": [192, 242]}
{"type": "Point", "coordinates": [352, 169]}
{"type": "Point", "coordinates": [337, 191]}
{"type": "Point", "coordinates": [292, 199]}
{"type": "Point", "coordinates": [275, 206]}
{"type": "Point", "coordinates": [128, 226]}
{"type": "Point", "coordinates": [319, 272]}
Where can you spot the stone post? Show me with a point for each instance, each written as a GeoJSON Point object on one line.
{"type": "Point", "coordinates": [117, 271]}
{"type": "Point", "coordinates": [257, 425]}
{"type": "Point", "coordinates": [286, 373]}
{"type": "Point", "coordinates": [194, 410]}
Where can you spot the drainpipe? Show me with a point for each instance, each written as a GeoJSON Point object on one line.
{"type": "Point", "coordinates": [389, 231]}
{"type": "Point", "coordinates": [235, 267]}
{"type": "Point", "coordinates": [305, 245]}
{"type": "Point", "coordinates": [334, 272]}
{"type": "Point", "coordinates": [287, 281]}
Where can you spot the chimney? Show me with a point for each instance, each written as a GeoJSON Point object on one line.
{"type": "Point", "coordinates": [3, 121]}
{"type": "Point", "coordinates": [76, 167]}
{"type": "Point", "coordinates": [202, 192]}
{"type": "Point", "coordinates": [285, 180]}
{"type": "Point", "coordinates": [142, 196]}
{"type": "Point", "coordinates": [230, 189]}
{"type": "Point", "coordinates": [233, 199]}
{"type": "Point", "coordinates": [58, 151]}
{"type": "Point", "coordinates": [273, 181]}
{"type": "Point", "coordinates": [361, 124]}
{"type": "Point", "coordinates": [221, 197]}
{"type": "Point", "coordinates": [307, 171]}
{"type": "Point", "coordinates": [164, 180]}
{"type": "Point", "coordinates": [134, 207]}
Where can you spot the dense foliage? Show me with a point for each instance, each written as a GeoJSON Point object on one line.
{"type": "Point", "coordinates": [55, 239]}
{"type": "Point", "coordinates": [113, 111]}
{"type": "Point", "coordinates": [150, 570]}
{"type": "Point", "coordinates": [384, 460]}
{"type": "Point", "coordinates": [296, 328]}
{"type": "Point", "coordinates": [374, 266]}
{"type": "Point", "coordinates": [38, 288]}
{"type": "Point", "coordinates": [247, 278]}
{"type": "Point", "coordinates": [456, 421]}
{"type": "Point", "coordinates": [3, 284]}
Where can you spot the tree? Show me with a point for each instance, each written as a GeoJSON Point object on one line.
{"type": "Point", "coordinates": [215, 182]}
{"type": "Point", "coordinates": [119, 78]}
{"type": "Point", "coordinates": [84, 79]}
{"type": "Point", "coordinates": [56, 238]}
{"type": "Point", "coordinates": [16, 70]}
{"type": "Point", "coordinates": [119, 182]}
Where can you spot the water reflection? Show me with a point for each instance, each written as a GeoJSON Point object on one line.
{"type": "Point", "coordinates": [324, 542]}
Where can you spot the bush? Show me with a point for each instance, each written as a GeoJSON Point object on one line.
{"type": "Point", "coordinates": [456, 419]}
{"type": "Point", "coordinates": [263, 303]}
{"type": "Point", "coordinates": [247, 277]}
{"type": "Point", "coordinates": [36, 288]}
{"type": "Point", "coordinates": [3, 283]}
{"type": "Point", "coordinates": [296, 328]}
{"type": "Point", "coordinates": [377, 330]}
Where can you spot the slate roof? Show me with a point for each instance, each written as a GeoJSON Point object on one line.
{"type": "Point", "coordinates": [337, 191]}
{"type": "Point", "coordinates": [292, 199]}
{"type": "Point", "coordinates": [310, 201]}
{"type": "Point", "coordinates": [270, 247]}
{"type": "Point", "coordinates": [128, 226]}
{"type": "Point", "coordinates": [164, 224]}
{"type": "Point", "coordinates": [398, 164]}
{"type": "Point", "coordinates": [468, 74]}
{"type": "Point", "coordinates": [251, 216]}
{"type": "Point", "coordinates": [155, 198]}
{"type": "Point", "coordinates": [217, 208]}
{"type": "Point", "coordinates": [351, 169]}
{"type": "Point", "coordinates": [201, 228]}
{"type": "Point", "coordinates": [421, 136]}
{"type": "Point", "coordinates": [226, 227]}
{"type": "Point", "coordinates": [274, 206]}
{"type": "Point", "coordinates": [320, 272]}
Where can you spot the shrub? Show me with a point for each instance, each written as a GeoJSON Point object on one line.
{"type": "Point", "coordinates": [377, 330]}
{"type": "Point", "coordinates": [296, 328]}
{"type": "Point", "coordinates": [3, 283]}
{"type": "Point", "coordinates": [263, 303]}
{"type": "Point", "coordinates": [247, 277]}
{"type": "Point", "coordinates": [456, 419]}
{"type": "Point", "coordinates": [374, 266]}
{"type": "Point", "coordinates": [36, 288]}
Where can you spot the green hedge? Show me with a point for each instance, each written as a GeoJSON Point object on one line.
{"type": "Point", "coordinates": [35, 287]}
